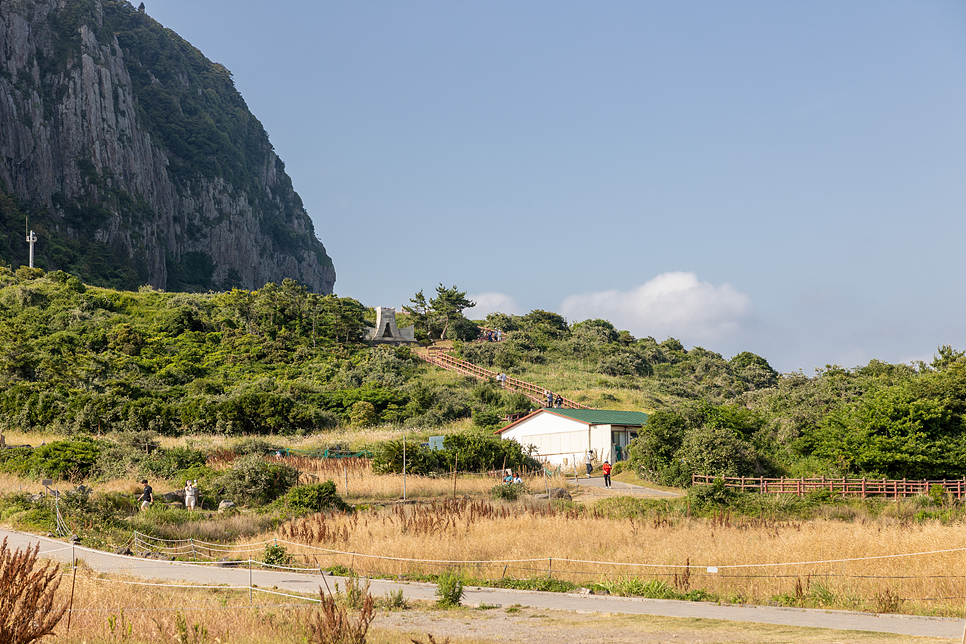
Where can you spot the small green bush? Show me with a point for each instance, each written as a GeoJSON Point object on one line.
{"type": "Point", "coordinates": [37, 519]}
{"type": "Point", "coordinates": [542, 584]}
{"type": "Point", "coordinates": [937, 493]}
{"type": "Point", "coordinates": [276, 555]}
{"type": "Point", "coordinates": [508, 491]}
{"type": "Point", "coordinates": [711, 496]}
{"type": "Point", "coordinates": [257, 446]}
{"type": "Point", "coordinates": [110, 504]}
{"type": "Point", "coordinates": [395, 600]}
{"type": "Point", "coordinates": [449, 590]}
{"type": "Point", "coordinates": [363, 414]}
{"type": "Point", "coordinates": [314, 497]}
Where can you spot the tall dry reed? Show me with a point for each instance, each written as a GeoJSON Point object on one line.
{"type": "Point", "coordinates": [29, 608]}
{"type": "Point", "coordinates": [833, 562]}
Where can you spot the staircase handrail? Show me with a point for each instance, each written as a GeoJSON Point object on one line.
{"type": "Point", "coordinates": [441, 357]}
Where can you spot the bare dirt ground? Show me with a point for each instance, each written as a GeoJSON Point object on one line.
{"type": "Point", "coordinates": [536, 626]}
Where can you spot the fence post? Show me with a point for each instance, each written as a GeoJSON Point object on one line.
{"type": "Point", "coordinates": [863, 487]}
{"type": "Point", "coordinates": [550, 569]}
{"type": "Point", "coordinates": [249, 581]}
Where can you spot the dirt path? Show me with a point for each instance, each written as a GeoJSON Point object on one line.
{"type": "Point", "coordinates": [950, 629]}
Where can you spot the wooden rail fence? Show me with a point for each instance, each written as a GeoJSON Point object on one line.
{"type": "Point", "coordinates": [889, 488]}
{"type": "Point", "coordinates": [439, 357]}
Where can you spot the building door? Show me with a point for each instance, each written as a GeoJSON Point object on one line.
{"type": "Point", "coordinates": [619, 440]}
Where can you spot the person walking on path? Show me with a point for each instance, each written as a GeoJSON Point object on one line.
{"type": "Point", "coordinates": [549, 396]}
{"type": "Point", "coordinates": [606, 469]}
{"type": "Point", "coordinates": [590, 462]}
{"type": "Point", "coordinates": [147, 495]}
{"type": "Point", "coordinates": [558, 401]}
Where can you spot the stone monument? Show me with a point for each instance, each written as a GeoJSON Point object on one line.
{"type": "Point", "coordinates": [386, 331]}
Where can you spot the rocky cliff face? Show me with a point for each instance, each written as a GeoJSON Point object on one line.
{"type": "Point", "coordinates": [138, 158]}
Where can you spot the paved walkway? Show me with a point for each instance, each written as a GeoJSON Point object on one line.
{"type": "Point", "coordinates": [308, 583]}
{"type": "Point", "coordinates": [597, 481]}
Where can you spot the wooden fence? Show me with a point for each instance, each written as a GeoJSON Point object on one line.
{"type": "Point", "coordinates": [889, 488]}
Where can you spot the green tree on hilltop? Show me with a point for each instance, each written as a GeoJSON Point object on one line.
{"type": "Point", "coordinates": [443, 312]}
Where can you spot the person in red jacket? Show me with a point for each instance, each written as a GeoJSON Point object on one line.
{"type": "Point", "coordinates": [606, 468]}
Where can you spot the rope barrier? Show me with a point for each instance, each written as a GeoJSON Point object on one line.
{"type": "Point", "coordinates": [248, 548]}
{"type": "Point", "coordinates": [189, 610]}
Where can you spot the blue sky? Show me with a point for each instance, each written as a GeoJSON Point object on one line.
{"type": "Point", "coordinates": [787, 178]}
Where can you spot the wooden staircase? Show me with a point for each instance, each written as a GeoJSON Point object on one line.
{"type": "Point", "coordinates": [441, 357]}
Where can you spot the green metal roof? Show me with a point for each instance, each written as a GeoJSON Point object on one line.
{"type": "Point", "coordinates": [603, 416]}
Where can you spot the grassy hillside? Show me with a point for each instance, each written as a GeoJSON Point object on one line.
{"type": "Point", "coordinates": [280, 360]}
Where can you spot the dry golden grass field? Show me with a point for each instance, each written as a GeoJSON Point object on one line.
{"type": "Point", "coordinates": [843, 561]}
{"type": "Point", "coordinates": [825, 563]}
{"type": "Point", "coordinates": [119, 609]}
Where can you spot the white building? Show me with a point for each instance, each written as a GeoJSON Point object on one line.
{"type": "Point", "coordinates": [563, 436]}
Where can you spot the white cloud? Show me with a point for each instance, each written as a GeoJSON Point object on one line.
{"type": "Point", "coordinates": [672, 304]}
{"type": "Point", "coordinates": [487, 303]}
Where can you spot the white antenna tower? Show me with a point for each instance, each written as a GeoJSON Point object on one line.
{"type": "Point", "coordinates": [31, 239]}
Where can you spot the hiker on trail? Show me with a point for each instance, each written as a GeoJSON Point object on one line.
{"type": "Point", "coordinates": [147, 495]}
{"type": "Point", "coordinates": [606, 468]}
{"type": "Point", "coordinates": [190, 495]}
{"type": "Point", "coordinates": [590, 462]}
{"type": "Point", "coordinates": [549, 395]}
{"type": "Point", "coordinates": [509, 477]}
{"type": "Point", "coordinates": [518, 478]}
{"type": "Point", "coordinates": [558, 402]}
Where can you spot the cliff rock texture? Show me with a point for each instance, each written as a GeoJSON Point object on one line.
{"type": "Point", "coordinates": [136, 158]}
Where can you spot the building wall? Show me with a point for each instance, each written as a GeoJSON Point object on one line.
{"type": "Point", "coordinates": [561, 440]}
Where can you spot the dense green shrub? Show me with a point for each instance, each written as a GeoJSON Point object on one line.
{"type": "Point", "coordinates": [467, 451]}
{"type": "Point", "coordinates": [475, 452]}
{"type": "Point", "coordinates": [314, 497]}
{"type": "Point", "coordinates": [254, 480]}
{"type": "Point", "coordinates": [258, 446]}
{"type": "Point", "coordinates": [168, 463]}
{"type": "Point", "coordinates": [419, 459]}
{"type": "Point", "coordinates": [73, 459]}
{"type": "Point", "coordinates": [486, 419]}
{"type": "Point", "coordinates": [698, 439]}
